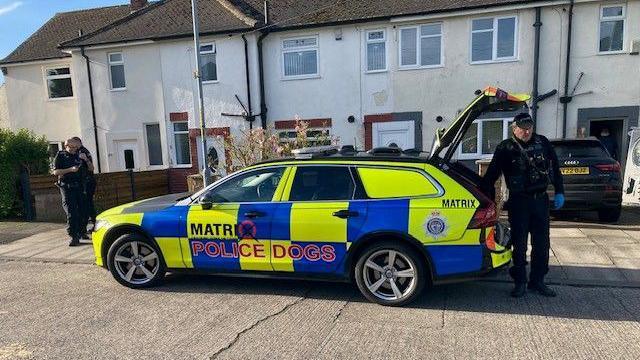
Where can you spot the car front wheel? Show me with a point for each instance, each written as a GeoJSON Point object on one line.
{"type": "Point", "coordinates": [135, 262]}
{"type": "Point", "coordinates": [390, 274]}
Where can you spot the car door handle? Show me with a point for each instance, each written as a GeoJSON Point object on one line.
{"type": "Point", "coordinates": [254, 214]}
{"type": "Point", "coordinates": [343, 214]}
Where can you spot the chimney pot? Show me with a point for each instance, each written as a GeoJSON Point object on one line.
{"type": "Point", "coordinates": [137, 5]}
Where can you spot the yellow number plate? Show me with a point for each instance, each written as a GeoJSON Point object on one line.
{"type": "Point", "coordinates": [574, 170]}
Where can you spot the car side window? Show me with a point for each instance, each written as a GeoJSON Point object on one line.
{"type": "Point", "coordinates": [316, 183]}
{"type": "Point", "coordinates": [380, 183]}
{"type": "Point", "coordinates": [255, 186]}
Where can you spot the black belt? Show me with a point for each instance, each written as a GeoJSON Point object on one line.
{"type": "Point", "coordinates": [534, 195]}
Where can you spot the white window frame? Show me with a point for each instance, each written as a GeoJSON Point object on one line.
{"type": "Point", "coordinates": [623, 17]}
{"type": "Point", "coordinates": [60, 145]}
{"type": "Point", "coordinates": [315, 47]}
{"type": "Point", "coordinates": [115, 63]}
{"type": "Point", "coordinates": [478, 154]}
{"type": "Point", "coordinates": [212, 51]}
{"type": "Point", "coordinates": [174, 154]}
{"type": "Point", "coordinates": [146, 145]}
{"type": "Point", "coordinates": [494, 50]}
{"type": "Point", "coordinates": [366, 50]}
{"type": "Point", "coordinates": [419, 37]}
{"type": "Point", "coordinates": [54, 77]}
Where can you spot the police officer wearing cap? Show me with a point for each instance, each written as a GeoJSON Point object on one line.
{"type": "Point", "coordinates": [66, 166]}
{"type": "Point", "coordinates": [89, 188]}
{"type": "Point", "coordinates": [529, 164]}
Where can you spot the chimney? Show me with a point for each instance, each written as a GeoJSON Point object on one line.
{"type": "Point", "coordinates": [137, 5]}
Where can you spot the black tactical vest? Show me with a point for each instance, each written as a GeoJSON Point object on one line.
{"type": "Point", "coordinates": [530, 167]}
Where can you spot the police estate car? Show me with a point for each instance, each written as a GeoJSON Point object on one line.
{"type": "Point", "coordinates": [392, 222]}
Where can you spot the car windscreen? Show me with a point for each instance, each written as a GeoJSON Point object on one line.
{"type": "Point", "coordinates": [582, 149]}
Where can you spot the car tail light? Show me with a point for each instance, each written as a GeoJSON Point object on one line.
{"type": "Point", "coordinates": [484, 217]}
{"type": "Point", "coordinates": [490, 241]}
{"type": "Point", "coordinates": [608, 167]}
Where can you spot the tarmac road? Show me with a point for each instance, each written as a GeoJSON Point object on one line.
{"type": "Point", "coordinates": [77, 311]}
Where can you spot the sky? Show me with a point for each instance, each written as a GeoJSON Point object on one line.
{"type": "Point", "coordinates": [21, 18]}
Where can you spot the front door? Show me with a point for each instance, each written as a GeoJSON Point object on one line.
{"type": "Point", "coordinates": [319, 218]}
{"type": "Point", "coordinates": [235, 232]}
{"type": "Point", "coordinates": [631, 185]}
{"type": "Point", "coordinates": [395, 133]}
{"type": "Point", "coordinates": [127, 149]}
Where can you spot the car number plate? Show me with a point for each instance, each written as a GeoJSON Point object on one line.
{"type": "Point", "coordinates": [574, 170]}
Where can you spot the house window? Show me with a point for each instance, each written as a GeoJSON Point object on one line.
{"type": "Point", "coordinates": [482, 138]}
{"type": "Point", "coordinates": [317, 136]}
{"type": "Point", "coordinates": [376, 51]}
{"type": "Point", "coordinates": [154, 145]}
{"type": "Point", "coordinates": [116, 69]}
{"type": "Point", "coordinates": [54, 148]}
{"type": "Point", "coordinates": [421, 46]}
{"type": "Point", "coordinates": [59, 82]}
{"type": "Point", "coordinates": [208, 65]}
{"type": "Point", "coordinates": [612, 28]}
{"type": "Point", "coordinates": [300, 57]}
{"type": "Point", "coordinates": [181, 139]}
{"type": "Point", "coordinates": [494, 39]}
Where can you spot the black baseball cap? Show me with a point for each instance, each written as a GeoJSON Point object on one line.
{"type": "Point", "coordinates": [523, 120]}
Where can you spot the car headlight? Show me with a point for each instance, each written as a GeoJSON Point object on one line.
{"type": "Point", "coordinates": [100, 224]}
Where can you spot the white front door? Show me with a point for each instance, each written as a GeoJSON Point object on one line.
{"type": "Point", "coordinates": [394, 133]}
{"type": "Point", "coordinates": [631, 184]}
{"type": "Point", "coordinates": [122, 148]}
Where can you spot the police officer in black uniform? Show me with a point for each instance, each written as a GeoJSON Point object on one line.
{"type": "Point", "coordinates": [89, 186]}
{"type": "Point", "coordinates": [529, 165]}
{"type": "Point", "coordinates": [66, 166]}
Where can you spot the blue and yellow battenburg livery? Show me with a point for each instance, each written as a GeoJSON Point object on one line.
{"type": "Point", "coordinates": [401, 222]}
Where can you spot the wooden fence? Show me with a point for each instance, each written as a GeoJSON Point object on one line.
{"type": "Point", "coordinates": [112, 189]}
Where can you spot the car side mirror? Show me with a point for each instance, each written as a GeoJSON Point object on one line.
{"type": "Point", "coordinates": [206, 203]}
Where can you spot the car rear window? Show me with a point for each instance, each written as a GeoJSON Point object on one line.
{"type": "Point", "coordinates": [580, 150]}
{"type": "Point", "coordinates": [394, 183]}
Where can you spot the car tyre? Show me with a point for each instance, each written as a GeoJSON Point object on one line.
{"type": "Point", "coordinates": [610, 214]}
{"type": "Point", "coordinates": [136, 262]}
{"type": "Point", "coordinates": [390, 273]}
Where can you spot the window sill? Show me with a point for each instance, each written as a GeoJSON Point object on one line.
{"type": "Point", "coordinates": [303, 77]}
{"type": "Point", "coordinates": [376, 71]}
{"type": "Point", "coordinates": [618, 52]}
{"type": "Point", "coordinates": [118, 89]}
{"type": "Point", "coordinates": [493, 61]}
{"type": "Point", "coordinates": [182, 166]}
{"type": "Point", "coordinates": [409, 68]}
{"type": "Point", "coordinates": [61, 98]}
{"type": "Point", "coordinates": [210, 82]}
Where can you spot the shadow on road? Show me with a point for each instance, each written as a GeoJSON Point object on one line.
{"type": "Point", "coordinates": [490, 297]}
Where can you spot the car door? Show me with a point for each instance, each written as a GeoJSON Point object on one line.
{"type": "Point", "coordinates": [229, 227]}
{"type": "Point", "coordinates": [319, 197]}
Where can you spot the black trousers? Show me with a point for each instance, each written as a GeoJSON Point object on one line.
{"type": "Point", "coordinates": [529, 214]}
{"type": "Point", "coordinates": [89, 209]}
{"type": "Point", "coordinates": [73, 207]}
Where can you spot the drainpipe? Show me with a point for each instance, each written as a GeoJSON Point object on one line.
{"type": "Point", "coordinates": [263, 104]}
{"type": "Point", "coordinates": [250, 116]}
{"type": "Point", "coordinates": [93, 107]}
{"type": "Point", "coordinates": [566, 98]}
{"type": "Point", "coordinates": [536, 66]}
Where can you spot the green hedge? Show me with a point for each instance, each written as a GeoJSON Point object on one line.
{"type": "Point", "coordinates": [19, 150]}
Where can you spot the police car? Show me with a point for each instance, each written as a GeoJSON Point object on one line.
{"type": "Point", "coordinates": [389, 221]}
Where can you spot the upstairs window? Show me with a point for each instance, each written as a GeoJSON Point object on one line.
{"type": "Point", "coordinates": [494, 39]}
{"type": "Point", "coordinates": [300, 57]}
{"type": "Point", "coordinates": [116, 70]}
{"type": "Point", "coordinates": [421, 46]}
{"type": "Point", "coordinates": [208, 65]}
{"type": "Point", "coordinates": [59, 82]}
{"type": "Point", "coordinates": [376, 51]}
{"type": "Point", "coordinates": [612, 28]}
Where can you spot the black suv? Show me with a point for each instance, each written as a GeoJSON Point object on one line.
{"type": "Point", "coordinates": [592, 178]}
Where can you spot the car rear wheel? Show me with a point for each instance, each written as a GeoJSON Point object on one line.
{"type": "Point", "coordinates": [135, 262]}
{"type": "Point", "coordinates": [610, 214]}
{"type": "Point", "coordinates": [390, 274]}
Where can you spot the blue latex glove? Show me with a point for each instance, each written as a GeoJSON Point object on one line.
{"type": "Point", "coordinates": [558, 201]}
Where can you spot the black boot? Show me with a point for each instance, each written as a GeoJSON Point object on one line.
{"type": "Point", "coordinates": [542, 289]}
{"type": "Point", "coordinates": [519, 290]}
{"type": "Point", "coordinates": [74, 242]}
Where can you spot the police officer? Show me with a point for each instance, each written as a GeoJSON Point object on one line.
{"type": "Point", "coordinates": [66, 166]}
{"type": "Point", "coordinates": [89, 186]}
{"type": "Point", "coordinates": [529, 164]}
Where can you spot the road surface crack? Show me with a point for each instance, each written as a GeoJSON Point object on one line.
{"type": "Point", "coordinates": [258, 322]}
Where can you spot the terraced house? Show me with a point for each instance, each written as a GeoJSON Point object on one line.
{"type": "Point", "coordinates": [372, 73]}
